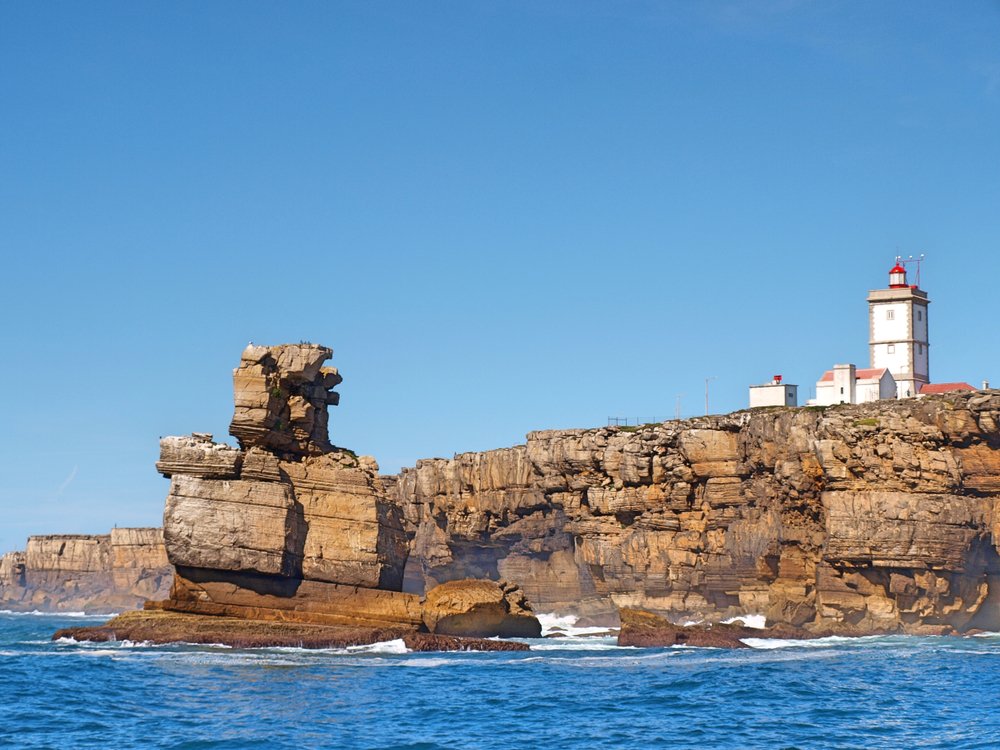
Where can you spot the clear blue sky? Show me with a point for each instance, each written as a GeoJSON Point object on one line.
{"type": "Point", "coordinates": [503, 216]}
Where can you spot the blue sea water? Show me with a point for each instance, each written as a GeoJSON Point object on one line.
{"type": "Point", "coordinates": [883, 692]}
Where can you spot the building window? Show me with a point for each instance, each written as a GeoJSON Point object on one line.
{"type": "Point", "coordinates": [920, 314]}
{"type": "Point", "coordinates": [890, 314]}
{"type": "Point", "coordinates": [920, 348]}
{"type": "Point", "coordinates": [891, 348]}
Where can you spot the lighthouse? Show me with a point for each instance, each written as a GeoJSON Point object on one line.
{"type": "Point", "coordinates": [897, 331]}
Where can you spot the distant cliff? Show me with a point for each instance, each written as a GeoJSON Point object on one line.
{"type": "Point", "coordinates": [884, 516]}
{"type": "Point", "coordinates": [102, 573]}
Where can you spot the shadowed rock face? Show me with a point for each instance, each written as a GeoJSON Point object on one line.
{"type": "Point", "coordinates": [851, 519]}
{"type": "Point", "coordinates": [114, 571]}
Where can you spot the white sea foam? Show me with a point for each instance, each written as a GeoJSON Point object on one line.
{"type": "Point", "coordinates": [396, 646]}
{"type": "Point", "coordinates": [38, 613]}
{"type": "Point", "coordinates": [101, 652]}
{"type": "Point", "coordinates": [626, 657]}
{"type": "Point", "coordinates": [556, 625]}
{"type": "Point", "coordinates": [773, 643]}
{"type": "Point", "coordinates": [434, 661]}
{"type": "Point", "coordinates": [758, 622]}
{"type": "Point", "coordinates": [576, 644]}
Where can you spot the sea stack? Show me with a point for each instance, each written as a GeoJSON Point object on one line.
{"type": "Point", "coordinates": [285, 507]}
{"type": "Point", "coordinates": [289, 539]}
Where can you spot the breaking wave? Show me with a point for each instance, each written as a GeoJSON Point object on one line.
{"type": "Point", "coordinates": [565, 625]}
{"type": "Point", "coordinates": [69, 615]}
{"type": "Point", "coordinates": [758, 622]}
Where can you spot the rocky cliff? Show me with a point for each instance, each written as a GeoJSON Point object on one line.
{"type": "Point", "coordinates": [851, 519]}
{"type": "Point", "coordinates": [102, 573]}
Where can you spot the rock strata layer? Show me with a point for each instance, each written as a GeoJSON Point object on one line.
{"type": "Point", "coordinates": [849, 519]}
{"type": "Point", "coordinates": [99, 573]}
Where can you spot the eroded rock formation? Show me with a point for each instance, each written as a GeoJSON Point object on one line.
{"type": "Point", "coordinates": [852, 519]}
{"type": "Point", "coordinates": [289, 527]}
{"type": "Point", "coordinates": [281, 395]}
{"type": "Point", "coordinates": [107, 572]}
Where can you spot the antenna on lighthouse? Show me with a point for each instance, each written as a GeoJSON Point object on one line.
{"type": "Point", "coordinates": [917, 261]}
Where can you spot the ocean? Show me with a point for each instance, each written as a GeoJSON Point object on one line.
{"type": "Point", "coordinates": [574, 691]}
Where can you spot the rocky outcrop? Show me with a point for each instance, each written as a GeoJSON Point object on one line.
{"type": "Point", "coordinates": [156, 626]}
{"type": "Point", "coordinates": [647, 630]}
{"type": "Point", "coordinates": [114, 571]}
{"type": "Point", "coordinates": [473, 607]}
{"type": "Point", "coordinates": [851, 519]}
{"type": "Point", "coordinates": [291, 528]}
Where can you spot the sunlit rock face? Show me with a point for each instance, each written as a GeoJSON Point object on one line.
{"type": "Point", "coordinates": [281, 395]}
{"type": "Point", "coordinates": [882, 516]}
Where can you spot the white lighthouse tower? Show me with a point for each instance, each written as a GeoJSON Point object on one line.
{"type": "Point", "coordinates": [897, 331]}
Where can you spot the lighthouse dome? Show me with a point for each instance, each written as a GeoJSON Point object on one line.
{"type": "Point", "coordinates": [897, 276]}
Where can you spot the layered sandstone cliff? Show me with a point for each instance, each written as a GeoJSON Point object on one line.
{"type": "Point", "coordinates": [99, 573]}
{"type": "Point", "coordinates": [853, 519]}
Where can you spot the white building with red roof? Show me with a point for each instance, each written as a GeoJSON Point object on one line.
{"type": "Point", "coordinates": [898, 346]}
{"type": "Point", "coordinates": [846, 384]}
{"type": "Point", "coordinates": [929, 389]}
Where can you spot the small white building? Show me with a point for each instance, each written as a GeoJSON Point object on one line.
{"type": "Point", "coordinates": [774, 393]}
{"type": "Point", "coordinates": [846, 384]}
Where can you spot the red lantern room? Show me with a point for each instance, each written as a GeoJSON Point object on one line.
{"type": "Point", "coordinates": [897, 276]}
